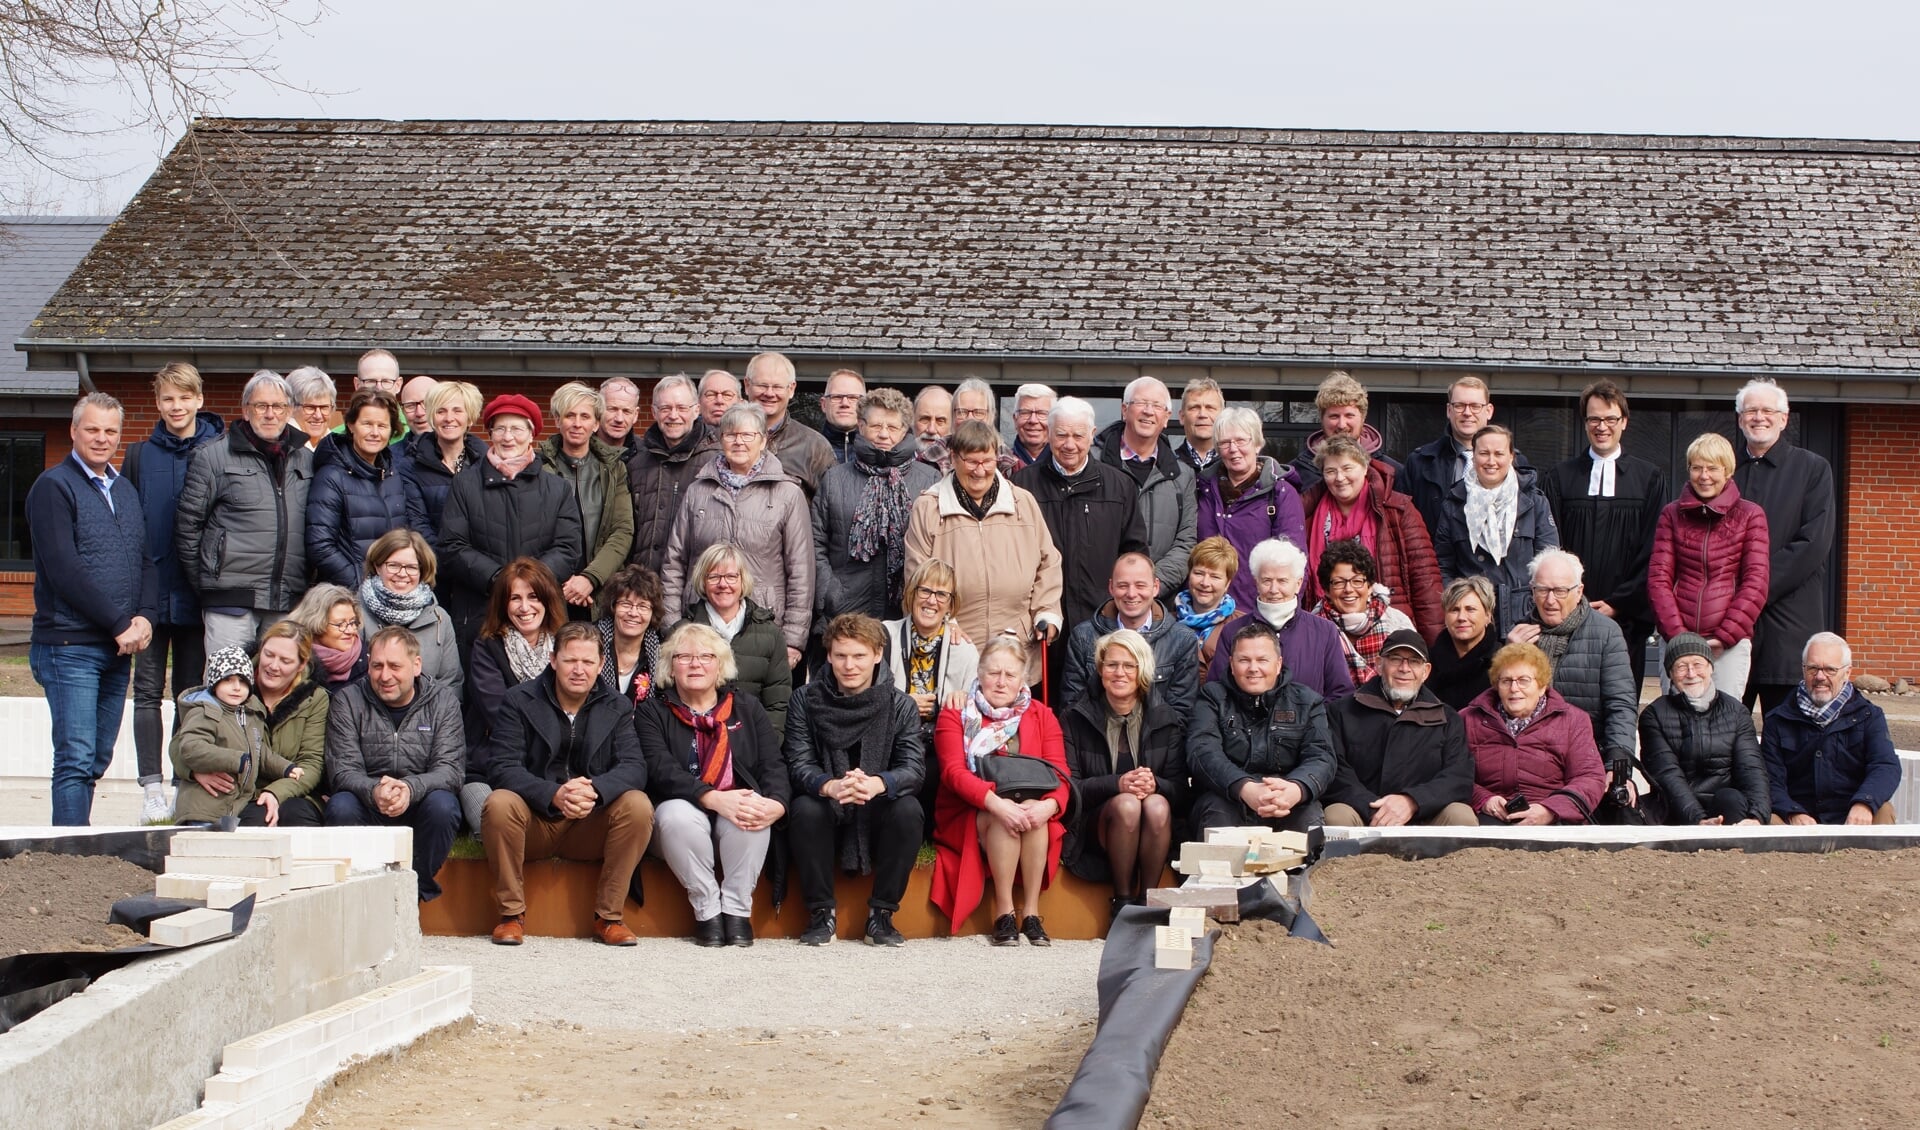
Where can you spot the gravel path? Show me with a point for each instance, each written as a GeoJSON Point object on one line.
{"type": "Point", "coordinates": [671, 985]}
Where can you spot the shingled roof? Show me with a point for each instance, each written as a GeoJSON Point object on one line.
{"type": "Point", "coordinates": [1702, 254]}
{"type": "Point", "coordinates": [36, 255]}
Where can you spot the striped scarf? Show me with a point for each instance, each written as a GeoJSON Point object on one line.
{"type": "Point", "coordinates": [712, 756]}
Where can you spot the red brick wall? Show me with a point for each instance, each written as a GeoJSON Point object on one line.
{"type": "Point", "coordinates": [1881, 506]}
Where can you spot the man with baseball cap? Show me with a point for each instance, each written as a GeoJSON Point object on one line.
{"type": "Point", "coordinates": [1403, 756]}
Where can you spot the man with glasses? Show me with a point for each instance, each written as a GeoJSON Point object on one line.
{"type": "Point", "coordinates": [379, 370]}
{"type": "Point", "coordinates": [1590, 668]}
{"type": "Point", "coordinates": [1607, 504]}
{"type": "Point", "coordinates": [1795, 487]}
{"type": "Point", "coordinates": [413, 403]}
{"type": "Point", "coordinates": [1829, 757]}
{"type": "Point", "coordinates": [804, 453]}
{"type": "Point", "coordinates": [840, 411]}
{"type": "Point", "coordinates": [313, 400]}
{"type": "Point", "coordinates": [241, 530]}
{"type": "Point", "coordinates": [1137, 444]}
{"type": "Point", "coordinates": [1433, 468]}
{"type": "Point", "coordinates": [662, 464]}
{"type": "Point", "coordinates": [719, 391]}
{"type": "Point", "coordinates": [1403, 756]}
{"type": "Point", "coordinates": [1032, 404]}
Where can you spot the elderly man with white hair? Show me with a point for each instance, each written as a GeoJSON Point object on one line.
{"type": "Point", "coordinates": [1589, 658]}
{"type": "Point", "coordinates": [1089, 508]}
{"type": "Point", "coordinates": [1314, 651]}
{"type": "Point", "coordinates": [1829, 757]}
{"type": "Point", "coordinates": [1795, 488]}
{"type": "Point", "coordinates": [1137, 444]}
{"type": "Point", "coordinates": [1032, 404]}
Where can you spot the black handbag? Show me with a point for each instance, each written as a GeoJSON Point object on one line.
{"type": "Point", "coordinates": [1018, 777]}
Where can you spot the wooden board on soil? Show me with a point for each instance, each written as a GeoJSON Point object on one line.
{"type": "Point", "coordinates": [1510, 988]}
{"type": "Point", "coordinates": [51, 902]}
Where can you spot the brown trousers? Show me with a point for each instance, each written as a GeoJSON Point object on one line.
{"type": "Point", "coordinates": [616, 835]}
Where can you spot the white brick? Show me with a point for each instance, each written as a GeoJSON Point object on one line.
{"type": "Point", "coordinates": [190, 926]}
{"type": "Point", "coordinates": [241, 866]}
{"type": "Point", "coordinates": [1192, 919]}
{"type": "Point", "coordinates": [277, 846]}
{"type": "Point", "coordinates": [317, 872]}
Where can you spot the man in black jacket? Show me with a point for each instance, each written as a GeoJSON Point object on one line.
{"type": "Point", "coordinates": [1259, 748]}
{"type": "Point", "coordinates": [1403, 753]}
{"type": "Point", "coordinates": [568, 780]}
{"type": "Point", "coordinates": [1607, 505]}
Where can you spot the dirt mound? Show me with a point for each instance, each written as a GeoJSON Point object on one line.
{"type": "Point", "coordinates": [1509, 988]}
{"type": "Point", "coordinates": [52, 902]}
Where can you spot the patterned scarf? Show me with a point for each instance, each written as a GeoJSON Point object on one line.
{"type": "Point", "coordinates": [1365, 633]}
{"type": "Point", "coordinates": [1515, 725]}
{"type": "Point", "coordinates": [511, 468]}
{"type": "Point", "coordinates": [527, 659]}
{"type": "Point", "coordinates": [388, 607]}
{"type": "Point", "coordinates": [920, 661]}
{"type": "Point", "coordinates": [880, 520]}
{"type": "Point", "coordinates": [642, 684]}
{"type": "Point", "coordinates": [1490, 514]}
{"type": "Point", "coordinates": [1203, 622]}
{"type": "Point", "coordinates": [988, 728]}
{"type": "Point", "coordinates": [1822, 716]}
{"type": "Point", "coordinates": [733, 480]}
{"type": "Point", "coordinates": [712, 757]}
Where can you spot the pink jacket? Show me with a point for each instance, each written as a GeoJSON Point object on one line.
{"type": "Point", "coordinates": [1555, 752]}
{"type": "Point", "coordinates": [1710, 566]}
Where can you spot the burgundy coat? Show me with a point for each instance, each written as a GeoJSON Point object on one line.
{"type": "Point", "coordinates": [1555, 752]}
{"type": "Point", "coordinates": [1710, 567]}
{"type": "Point", "coordinates": [1402, 550]}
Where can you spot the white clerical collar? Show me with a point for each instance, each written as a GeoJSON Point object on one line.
{"type": "Point", "coordinates": [1601, 481]}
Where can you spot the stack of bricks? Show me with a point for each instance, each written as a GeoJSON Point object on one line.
{"type": "Point", "coordinates": [222, 868]}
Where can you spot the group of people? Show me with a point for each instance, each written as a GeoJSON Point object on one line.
{"type": "Point", "coordinates": [729, 632]}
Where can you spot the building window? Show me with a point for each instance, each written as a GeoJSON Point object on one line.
{"type": "Point", "coordinates": [22, 457]}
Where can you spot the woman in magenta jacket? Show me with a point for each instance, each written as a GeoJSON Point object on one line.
{"type": "Point", "coordinates": [1528, 741]}
{"type": "Point", "coordinates": [1710, 566]}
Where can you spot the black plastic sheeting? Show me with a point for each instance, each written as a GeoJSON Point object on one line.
{"type": "Point", "coordinates": [142, 847]}
{"type": "Point", "coordinates": [1140, 1005]}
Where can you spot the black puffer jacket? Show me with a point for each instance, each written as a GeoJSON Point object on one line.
{"type": "Point", "coordinates": [490, 520]}
{"type": "Point", "coordinates": [427, 481]}
{"type": "Point", "coordinates": [240, 530]}
{"type": "Point", "coordinates": [1094, 517]}
{"type": "Point", "coordinates": [760, 652]}
{"type": "Point", "coordinates": [658, 472]}
{"type": "Point", "coordinates": [1533, 531]}
{"type": "Point", "coordinates": [1163, 748]}
{"type": "Point", "coordinates": [1420, 753]}
{"type": "Point", "coordinates": [1690, 756]}
{"type": "Point", "coordinates": [352, 503]}
{"type": "Point", "coordinates": [1236, 737]}
{"type": "Point", "coordinates": [840, 583]}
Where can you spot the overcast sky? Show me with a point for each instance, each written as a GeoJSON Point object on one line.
{"type": "Point", "coordinates": [1758, 67]}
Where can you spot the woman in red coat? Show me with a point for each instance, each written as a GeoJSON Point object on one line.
{"type": "Point", "coordinates": [1528, 741]}
{"type": "Point", "coordinates": [1355, 499]}
{"type": "Point", "coordinates": [976, 831]}
{"type": "Point", "coordinates": [1711, 566]}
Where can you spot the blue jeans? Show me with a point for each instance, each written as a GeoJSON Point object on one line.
{"type": "Point", "coordinates": [86, 687]}
{"type": "Point", "coordinates": [434, 818]}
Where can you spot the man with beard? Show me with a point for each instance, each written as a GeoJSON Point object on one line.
{"type": "Point", "coordinates": [1830, 759]}
{"type": "Point", "coordinates": [1403, 753]}
{"type": "Point", "coordinates": [1698, 745]}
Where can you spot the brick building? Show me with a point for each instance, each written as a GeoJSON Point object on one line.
{"type": "Point", "coordinates": [520, 255]}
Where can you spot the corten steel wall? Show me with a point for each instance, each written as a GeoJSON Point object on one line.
{"type": "Point", "coordinates": [1881, 508]}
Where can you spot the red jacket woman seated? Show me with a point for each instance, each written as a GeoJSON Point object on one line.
{"type": "Point", "coordinates": [1527, 741]}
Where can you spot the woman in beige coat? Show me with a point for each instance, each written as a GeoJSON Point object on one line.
{"type": "Point", "coordinates": [743, 497]}
{"type": "Point", "coordinates": [1006, 568]}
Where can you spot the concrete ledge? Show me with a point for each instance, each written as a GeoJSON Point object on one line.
{"type": "Point", "coordinates": [135, 1048]}
{"type": "Point", "coordinates": [1825, 837]}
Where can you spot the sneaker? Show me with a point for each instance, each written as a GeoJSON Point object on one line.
{"type": "Point", "coordinates": [880, 930]}
{"type": "Point", "coordinates": [820, 926]}
{"type": "Point", "coordinates": [1006, 931]}
{"type": "Point", "coordinates": [156, 807]}
{"type": "Point", "coordinates": [1036, 933]}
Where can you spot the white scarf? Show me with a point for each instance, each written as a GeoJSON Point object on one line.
{"type": "Point", "coordinates": [1490, 514]}
{"type": "Point", "coordinates": [1278, 614]}
{"type": "Point", "coordinates": [727, 628]}
{"type": "Point", "coordinates": [1600, 481]}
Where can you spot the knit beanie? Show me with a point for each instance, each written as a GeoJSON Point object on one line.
{"type": "Point", "coordinates": [228, 662]}
{"type": "Point", "coordinates": [1683, 645]}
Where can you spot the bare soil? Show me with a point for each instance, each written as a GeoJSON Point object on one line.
{"type": "Point", "coordinates": [51, 903]}
{"type": "Point", "coordinates": [1508, 988]}
{"type": "Point", "coordinates": [564, 1076]}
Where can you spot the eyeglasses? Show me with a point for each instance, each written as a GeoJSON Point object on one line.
{"type": "Point", "coordinates": [1557, 592]}
{"type": "Point", "coordinates": [702, 658]}
{"type": "Point", "coordinates": [270, 407]}
{"type": "Point", "coordinates": [840, 397]}
{"type": "Point", "coordinates": [411, 405]}
{"type": "Point", "coordinates": [318, 408]}
{"type": "Point", "coordinates": [1120, 665]}
{"type": "Point", "coordinates": [723, 578]}
{"type": "Point", "coordinates": [940, 595]}
{"type": "Point", "coordinates": [1467, 406]}
{"type": "Point", "coordinates": [505, 429]}
{"type": "Point", "coordinates": [1823, 672]}
{"type": "Point", "coordinates": [1348, 584]}
{"type": "Point", "coordinates": [1761, 412]}
{"type": "Point", "coordinates": [1031, 414]}
{"type": "Point", "coordinates": [740, 437]}
{"type": "Point", "coordinates": [345, 627]}
{"type": "Point", "coordinates": [1604, 421]}
{"type": "Point", "coordinates": [632, 607]}
{"type": "Point", "coordinates": [402, 569]}
{"type": "Point", "coordinates": [1518, 681]}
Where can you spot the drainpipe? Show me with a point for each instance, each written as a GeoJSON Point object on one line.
{"type": "Point", "coordinates": [86, 374]}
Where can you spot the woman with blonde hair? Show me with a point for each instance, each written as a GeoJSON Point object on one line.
{"type": "Point", "coordinates": [331, 617]}
{"type": "Point", "coordinates": [430, 460]}
{"type": "Point", "coordinates": [929, 657]}
{"type": "Point", "coordinates": [726, 582]}
{"type": "Point", "coordinates": [1711, 563]}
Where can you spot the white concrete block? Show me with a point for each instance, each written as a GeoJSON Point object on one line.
{"type": "Point", "coordinates": [317, 872]}
{"type": "Point", "coordinates": [190, 926]}
{"type": "Point", "coordinates": [1193, 854]}
{"type": "Point", "coordinates": [232, 866]}
{"type": "Point", "coordinates": [1172, 948]}
{"type": "Point", "coordinates": [275, 845]}
{"type": "Point", "coordinates": [202, 887]}
{"type": "Point", "coordinates": [1192, 919]}
{"type": "Point", "coordinates": [368, 849]}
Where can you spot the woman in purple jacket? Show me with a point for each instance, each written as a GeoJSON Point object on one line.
{"type": "Point", "coordinates": [1313, 650]}
{"type": "Point", "coordinates": [1244, 498]}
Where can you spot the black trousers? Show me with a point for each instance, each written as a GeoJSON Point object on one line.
{"type": "Point", "coordinates": [813, 847]}
{"type": "Point", "coordinates": [300, 812]}
{"type": "Point", "coordinates": [1211, 810]}
{"type": "Point", "coordinates": [188, 644]}
{"type": "Point", "coordinates": [1769, 694]}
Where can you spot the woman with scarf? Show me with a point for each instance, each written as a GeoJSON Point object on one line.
{"type": "Point", "coordinates": [1355, 499]}
{"type": "Point", "coordinates": [861, 510]}
{"type": "Point", "coordinates": [1711, 564]}
{"type": "Point", "coordinates": [742, 496]}
{"type": "Point", "coordinates": [1207, 601]}
{"type": "Point", "coordinates": [1461, 654]}
{"type": "Point", "coordinates": [726, 585]}
{"type": "Point", "coordinates": [1015, 838]}
{"type": "Point", "coordinates": [717, 780]}
{"type": "Point", "coordinates": [515, 645]}
{"type": "Point", "coordinates": [1314, 651]}
{"type": "Point", "coordinates": [854, 754]}
{"type": "Point", "coordinates": [930, 658]}
{"type": "Point", "coordinates": [1129, 756]}
{"type": "Point", "coordinates": [1495, 521]}
{"type": "Point", "coordinates": [358, 494]}
{"type": "Point", "coordinates": [332, 619]}
{"type": "Point", "coordinates": [401, 569]}
{"type": "Point", "coordinates": [1357, 604]}
{"type": "Point", "coordinates": [1529, 743]}
{"type": "Point", "coordinates": [1245, 496]}
{"type": "Point", "coordinates": [629, 641]}
{"type": "Point", "coordinates": [503, 507]}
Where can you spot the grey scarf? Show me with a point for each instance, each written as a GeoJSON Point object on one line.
{"type": "Point", "coordinates": [1554, 640]}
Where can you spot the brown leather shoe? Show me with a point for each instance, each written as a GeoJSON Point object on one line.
{"type": "Point", "coordinates": [511, 931]}
{"type": "Point", "coordinates": [613, 933]}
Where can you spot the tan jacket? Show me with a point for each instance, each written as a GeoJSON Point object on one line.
{"type": "Point", "coordinates": [769, 522]}
{"type": "Point", "coordinates": [1006, 568]}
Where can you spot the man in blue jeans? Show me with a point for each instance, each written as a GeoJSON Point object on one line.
{"type": "Point", "coordinates": [95, 595]}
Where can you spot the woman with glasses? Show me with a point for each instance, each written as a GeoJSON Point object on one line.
{"type": "Point", "coordinates": [1711, 563]}
{"type": "Point", "coordinates": [1494, 522]}
{"type": "Point", "coordinates": [726, 584]}
{"type": "Point", "coordinates": [398, 590]}
{"type": "Point", "coordinates": [629, 635]}
{"type": "Point", "coordinates": [929, 657]}
{"type": "Point", "coordinates": [1356, 603]}
{"type": "Point", "coordinates": [332, 618]}
{"type": "Point", "coordinates": [313, 400]}
{"type": "Point", "coordinates": [744, 498]}
{"type": "Point", "coordinates": [1534, 761]}
{"type": "Point", "coordinates": [357, 495]}
{"type": "Point", "coordinates": [503, 507]}
{"type": "Point", "coordinates": [1245, 498]}
{"type": "Point", "coordinates": [1355, 499]}
{"type": "Point", "coordinates": [429, 461]}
